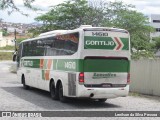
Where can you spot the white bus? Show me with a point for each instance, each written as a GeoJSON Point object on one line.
{"type": "Point", "coordinates": [88, 62]}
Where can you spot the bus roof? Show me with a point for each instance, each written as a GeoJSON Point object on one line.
{"type": "Point", "coordinates": [82, 27]}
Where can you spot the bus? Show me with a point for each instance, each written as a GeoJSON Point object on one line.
{"type": "Point", "coordinates": [87, 62]}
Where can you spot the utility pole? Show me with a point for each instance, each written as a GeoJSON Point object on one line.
{"type": "Point", "coordinates": [15, 39]}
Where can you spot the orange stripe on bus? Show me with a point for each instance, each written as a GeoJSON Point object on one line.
{"type": "Point", "coordinates": [49, 64]}
{"type": "Point", "coordinates": [41, 63]}
{"type": "Point", "coordinates": [47, 72]}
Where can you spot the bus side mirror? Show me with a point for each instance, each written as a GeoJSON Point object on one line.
{"type": "Point", "coordinates": [14, 58]}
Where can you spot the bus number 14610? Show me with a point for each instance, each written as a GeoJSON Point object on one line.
{"type": "Point", "coordinates": [70, 65]}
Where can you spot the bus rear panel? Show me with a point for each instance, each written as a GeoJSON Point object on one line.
{"type": "Point", "coordinates": [106, 63]}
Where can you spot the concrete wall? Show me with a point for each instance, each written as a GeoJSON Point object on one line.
{"type": "Point", "coordinates": [4, 41]}
{"type": "Point", "coordinates": [145, 77]}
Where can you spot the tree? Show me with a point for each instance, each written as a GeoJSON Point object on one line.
{"type": "Point", "coordinates": [70, 15]}
{"type": "Point", "coordinates": [20, 39]}
{"type": "Point", "coordinates": [123, 16]}
{"type": "Point", "coordinates": [73, 13]}
{"type": "Point", "coordinates": [11, 7]}
{"type": "Point", "coordinates": [35, 32]}
{"type": "Point", "coordinates": [156, 43]}
{"type": "Point", "coordinates": [5, 33]}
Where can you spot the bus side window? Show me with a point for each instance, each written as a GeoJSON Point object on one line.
{"type": "Point", "coordinates": [49, 47]}
{"type": "Point", "coordinates": [40, 48]}
{"type": "Point", "coordinates": [25, 49]}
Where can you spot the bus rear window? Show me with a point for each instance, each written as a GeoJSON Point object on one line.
{"type": "Point", "coordinates": [99, 64]}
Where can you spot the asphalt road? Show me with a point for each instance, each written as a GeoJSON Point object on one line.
{"type": "Point", "coordinates": [14, 98]}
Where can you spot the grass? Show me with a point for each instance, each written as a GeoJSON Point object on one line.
{"type": "Point", "coordinates": [7, 48]}
{"type": "Point", "coordinates": [6, 55]}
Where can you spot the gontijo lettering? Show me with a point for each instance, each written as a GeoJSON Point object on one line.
{"type": "Point", "coordinates": [92, 42]}
{"type": "Point", "coordinates": [28, 63]}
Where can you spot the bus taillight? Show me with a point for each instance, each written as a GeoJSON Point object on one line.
{"type": "Point", "coordinates": [128, 78]}
{"type": "Point", "coordinates": [81, 78]}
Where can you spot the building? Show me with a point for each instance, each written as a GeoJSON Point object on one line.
{"type": "Point", "coordinates": [155, 22]}
{"type": "Point", "coordinates": [4, 41]}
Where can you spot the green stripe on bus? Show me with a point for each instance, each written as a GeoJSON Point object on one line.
{"type": "Point", "coordinates": [81, 65]}
{"type": "Point", "coordinates": [33, 63]}
{"type": "Point", "coordinates": [125, 41]}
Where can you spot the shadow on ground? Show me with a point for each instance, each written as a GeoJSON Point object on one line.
{"type": "Point", "coordinates": [42, 99]}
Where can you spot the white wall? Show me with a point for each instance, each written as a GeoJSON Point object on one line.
{"type": "Point", "coordinates": [4, 41]}
{"type": "Point", "coordinates": [145, 77]}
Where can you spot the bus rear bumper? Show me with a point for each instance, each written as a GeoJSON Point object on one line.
{"type": "Point", "coordinates": [98, 93]}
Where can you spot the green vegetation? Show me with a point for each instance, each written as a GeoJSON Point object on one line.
{"type": "Point", "coordinates": [4, 32]}
{"type": "Point", "coordinates": [142, 54]}
{"type": "Point", "coordinates": [73, 13]}
{"type": "Point", "coordinates": [5, 55]}
{"type": "Point", "coordinates": [20, 39]}
{"type": "Point", "coordinates": [7, 48]}
{"type": "Point", "coordinates": [156, 43]}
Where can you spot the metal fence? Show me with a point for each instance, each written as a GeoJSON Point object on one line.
{"type": "Point", "coordinates": [145, 77]}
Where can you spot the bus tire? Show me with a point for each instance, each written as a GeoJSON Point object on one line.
{"type": "Point", "coordinates": [53, 91]}
{"type": "Point", "coordinates": [26, 87]}
{"type": "Point", "coordinates": [102, 100]}
{"type": "Point", "coordinates": [61, 97]}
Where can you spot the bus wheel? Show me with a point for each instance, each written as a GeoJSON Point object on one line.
{"type": "Point", "coordinates": [61, 97]}
{"type": "Point", "coordinates": [53, 91]}
{"type": "Point", "coordinates": [24, 85]}
{"type": "Point", "coordinates": [102, 100]}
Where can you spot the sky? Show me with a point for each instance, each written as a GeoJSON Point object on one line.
{"type": "Point", "coordinates": [147, 7]}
